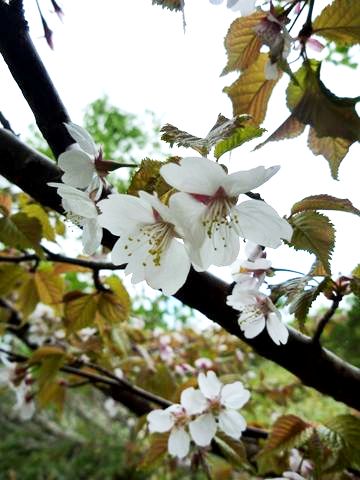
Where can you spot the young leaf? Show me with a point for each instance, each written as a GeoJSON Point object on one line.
{"type": "Point", "coordinates": [176, 5]}
{"type": "Point", "coordinates": [80, 311]}
{"type": "Point", "coordinates": [334, 149]}
{"type": "Point", "coordinates": [339, 22]}
{"type": "Point", "coordinates": [11, 275]}
{"type": "Point", "coordinates": [157, 450]}
{"type": "Point", "coordinates": [50, 287]}
{"type": "Point", "coordinates": [34, 210]}
{"type": "Point", "coordinates": [324, 202]}
{"type": "Point", "coordinates": [287, 432]}
{"type": "Point", "coordinates": [301, 303]}
{"type": "Point", "coordinates": [241, 42]}
{"type": "Point", "coordinates": [345, 439]}
{"type": "Point", "coordinates": [21, 231]}
{"type": "Point", "coordinates": [28, 296]}
{"type": "Point", "coordinates": [251, 92]}
{"type": "Point", "coordinates": [111, 308]}
{"type": "Point", "coordinates": [121, 294]}
{"type": "Point", "coordinates": [240, 136]}
{"type": "Point", "coordinates": [147, 177]}
{"type": "Point", "coordinates": [291, 128]}
{"type": "Point", "coordinates": [314, 233]}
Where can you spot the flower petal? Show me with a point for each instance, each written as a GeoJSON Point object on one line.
{"type": "Point", "coordinates": [196, 175]}
{"type": "Point", "coordinates": [260, 223]}
{"type": "Point", "coordinates": [209, 384]}
{"type": "Point", "coordinates": [178, 443]}
{"type": "Point", "coordinates": [170, 275]}
{"type": "Point", "coordinates": [160, 421]}
{"type": "Point", "coordinates": [234, 395]}
{"type": "Point", "coordinates": [92, 235]}
{"type": "Point", "coordinates": [83, 138]}
{"type": "Point", "coordinates": [78, 167]}
{"type": "Point", "coordinates": [250, 325]}
{"type": "Point", "coordinates": [193, 401]}
{"type": "Point", "coordinates": [244, 181]}
{"type": "Point", "coordinates": [122, 213]}
{"type": "Point", "coordinates": [232, 423]}
{"type": "Point", "coordinates": [203, 429]}
{"type": "Point", "coordinates": [276, 329]}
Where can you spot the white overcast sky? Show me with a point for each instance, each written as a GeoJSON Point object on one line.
{"type": "Point", "coordinates": [139, 56]}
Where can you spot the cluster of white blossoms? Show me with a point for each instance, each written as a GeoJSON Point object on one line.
{"type": "Point", "coordinates": [257, 311]}
{"type": "Point", "coordinates": [20, 383]}
{"type": "Point", "coordinates": [201, 413]}
{"type": "Point", "coordinates": [200, 226]}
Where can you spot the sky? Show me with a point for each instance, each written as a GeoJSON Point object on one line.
{"type": "Point", "coordinates": [139, 55]}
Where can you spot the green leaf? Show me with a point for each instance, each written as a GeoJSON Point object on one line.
{"type": "Point", "coordinates": [240, 136]}
{"type": "Point", "coordinates": [334, 149]}
{"type": "Point", "coordinates": [287, 432]}
{"type": "Point", "coordinates": [345, 439]}
{"type": "Point", "coordinates": [11, 275]}
{"type": "Point", "coordinates": [28, 296]}
{"type": "Point", "coordinates": [148, 179]}
{"type": "Point", "coordinates": [251, 92]}
{"type": "Point", "coordinates": [233, 132]}
{"type": "Point", "coordinates": [111, 308]}
{"type": "Point", "coordinates": [34, 210]}
{"type": "Point", "coordinates": [233, 450]}
{"type": "Point", "coordinates": [339, 22]}
{"type": "Point", "coordinates": [161, 381]}
{"type": "Point", "coordinates": [324, 202]}
{"type": "Point", "coordinates": [242, 43]}
{"type": "Point", "coordinates": [314, 233]}
{"type": "Point", "coordinates": [121, 294]}
{"type": "Point", "coordinates": [80, 310]}
{"type": "Point", "coordinates": [290, 288]}
{"type": "Point", "coordinates": [21, 231]}
{"type": "Point", "coordinates": [302, 302]}
{"type": "Point", "coordinates": [50, 287]}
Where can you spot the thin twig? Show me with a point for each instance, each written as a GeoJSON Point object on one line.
{"type": "Point", "coordinates": [325, 319]}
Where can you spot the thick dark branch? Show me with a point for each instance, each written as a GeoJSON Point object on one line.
{"type": "Point", "coordinates": [28, 71]}
{"type": "Point", "coordinates": [5, 123]}
{"type": "Point", "coordinates": [314, 366]}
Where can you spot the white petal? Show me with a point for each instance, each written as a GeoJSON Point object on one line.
{"type": "Point", "coordinates": [232, 423]}
{"type": "Point", "coordinates": [193, 401]}
{"type": "Point", "coordinates": [258, 264]}
{"type": "Point", "coordinates": [260, 223]}
{"type": "Point", "coordinates": [178, 443]}
{"type": "Point", "coordinates": [92, 235]}
{"type": "Point", "coordinates": [221, 249]}
{"type": "Point", "coordinates": [276, 329]}
{"type": "Point", "coordinates": [251, 326]}
{"type": "Point", "coordinates": [77, 201]}
{"type": "Point", "coordinates": [246, 7]}
{"type": "Point", "coordinates": [203, 429]}
{"type": "Point", "coordinates": [173, 270]}
{"type": "Point", "coordinates": [242, 182]}
{"type": "Point", "coordinates": [83, 138]}
{"type": "Point", "coordinates": [160, 421]}
{"type": "Point", "coordinates": [122, 213]}
{"type": "Point", "coordinates": [194, 175]}
{"type": "Point", "coordinates": [234, 395]}
{"type": "Point", "coordinates": [209, 384]}
{"type": "Point", "coordinates": [78, 167]}
{"type": "Point", "coordinates": [293, 476]}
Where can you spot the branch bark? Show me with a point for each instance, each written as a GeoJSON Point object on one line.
{"type": "Point", "coordinates": [314, 366]}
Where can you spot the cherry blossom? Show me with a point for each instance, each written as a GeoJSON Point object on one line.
{"type": "Point", "coordinates": [82, 211]}
{"type": "Point", "coordinates": [18, 381]}
{"type": "Point", "coordinates": [82, 163]}
{"type": "Point", "coordinates": [149, 240]}
{"type": "Point", "coordinates": [206, 208]}
{"type": "Point", "coordinates": [222, 404]}
{"type": "Point", "coordinates": [175, 418]}
{"type": "Point", "coordinates": [258, 311]}
{"type": "Point", "coordinates": [273, 33]}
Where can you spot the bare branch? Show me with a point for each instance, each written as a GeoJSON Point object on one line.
{"type": "Point", "coordinates": [325, 319]}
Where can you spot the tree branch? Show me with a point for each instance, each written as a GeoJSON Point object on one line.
{"type": "Point", "coordinates": [325, 319]}
{"type": "Point", "coordinates": [317, 368]}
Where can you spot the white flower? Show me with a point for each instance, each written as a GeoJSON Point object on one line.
{"type": "Point", "coordinates": [206, 208]}
{"type": "Point", "coordinates": [148, 240]}
{"type": "Point", "coordinates": [25, 405]}
{"type": "Point", "coordinates": [258, 312]}
{"type": "Point", "coordinates": [246, 7]}
{"type": "Point", "coordinates": [222, 403]}
{"type": "Point", "coordinates": [175, 418]}
{"type": "Point", "coordinates": [83, 212]}
{"type": "Point", "coordinates": [80, 163]}
{"type": "Point", "coordinates": [203, 363]}
{"type": "Point", "coordinates": [288, 476]}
